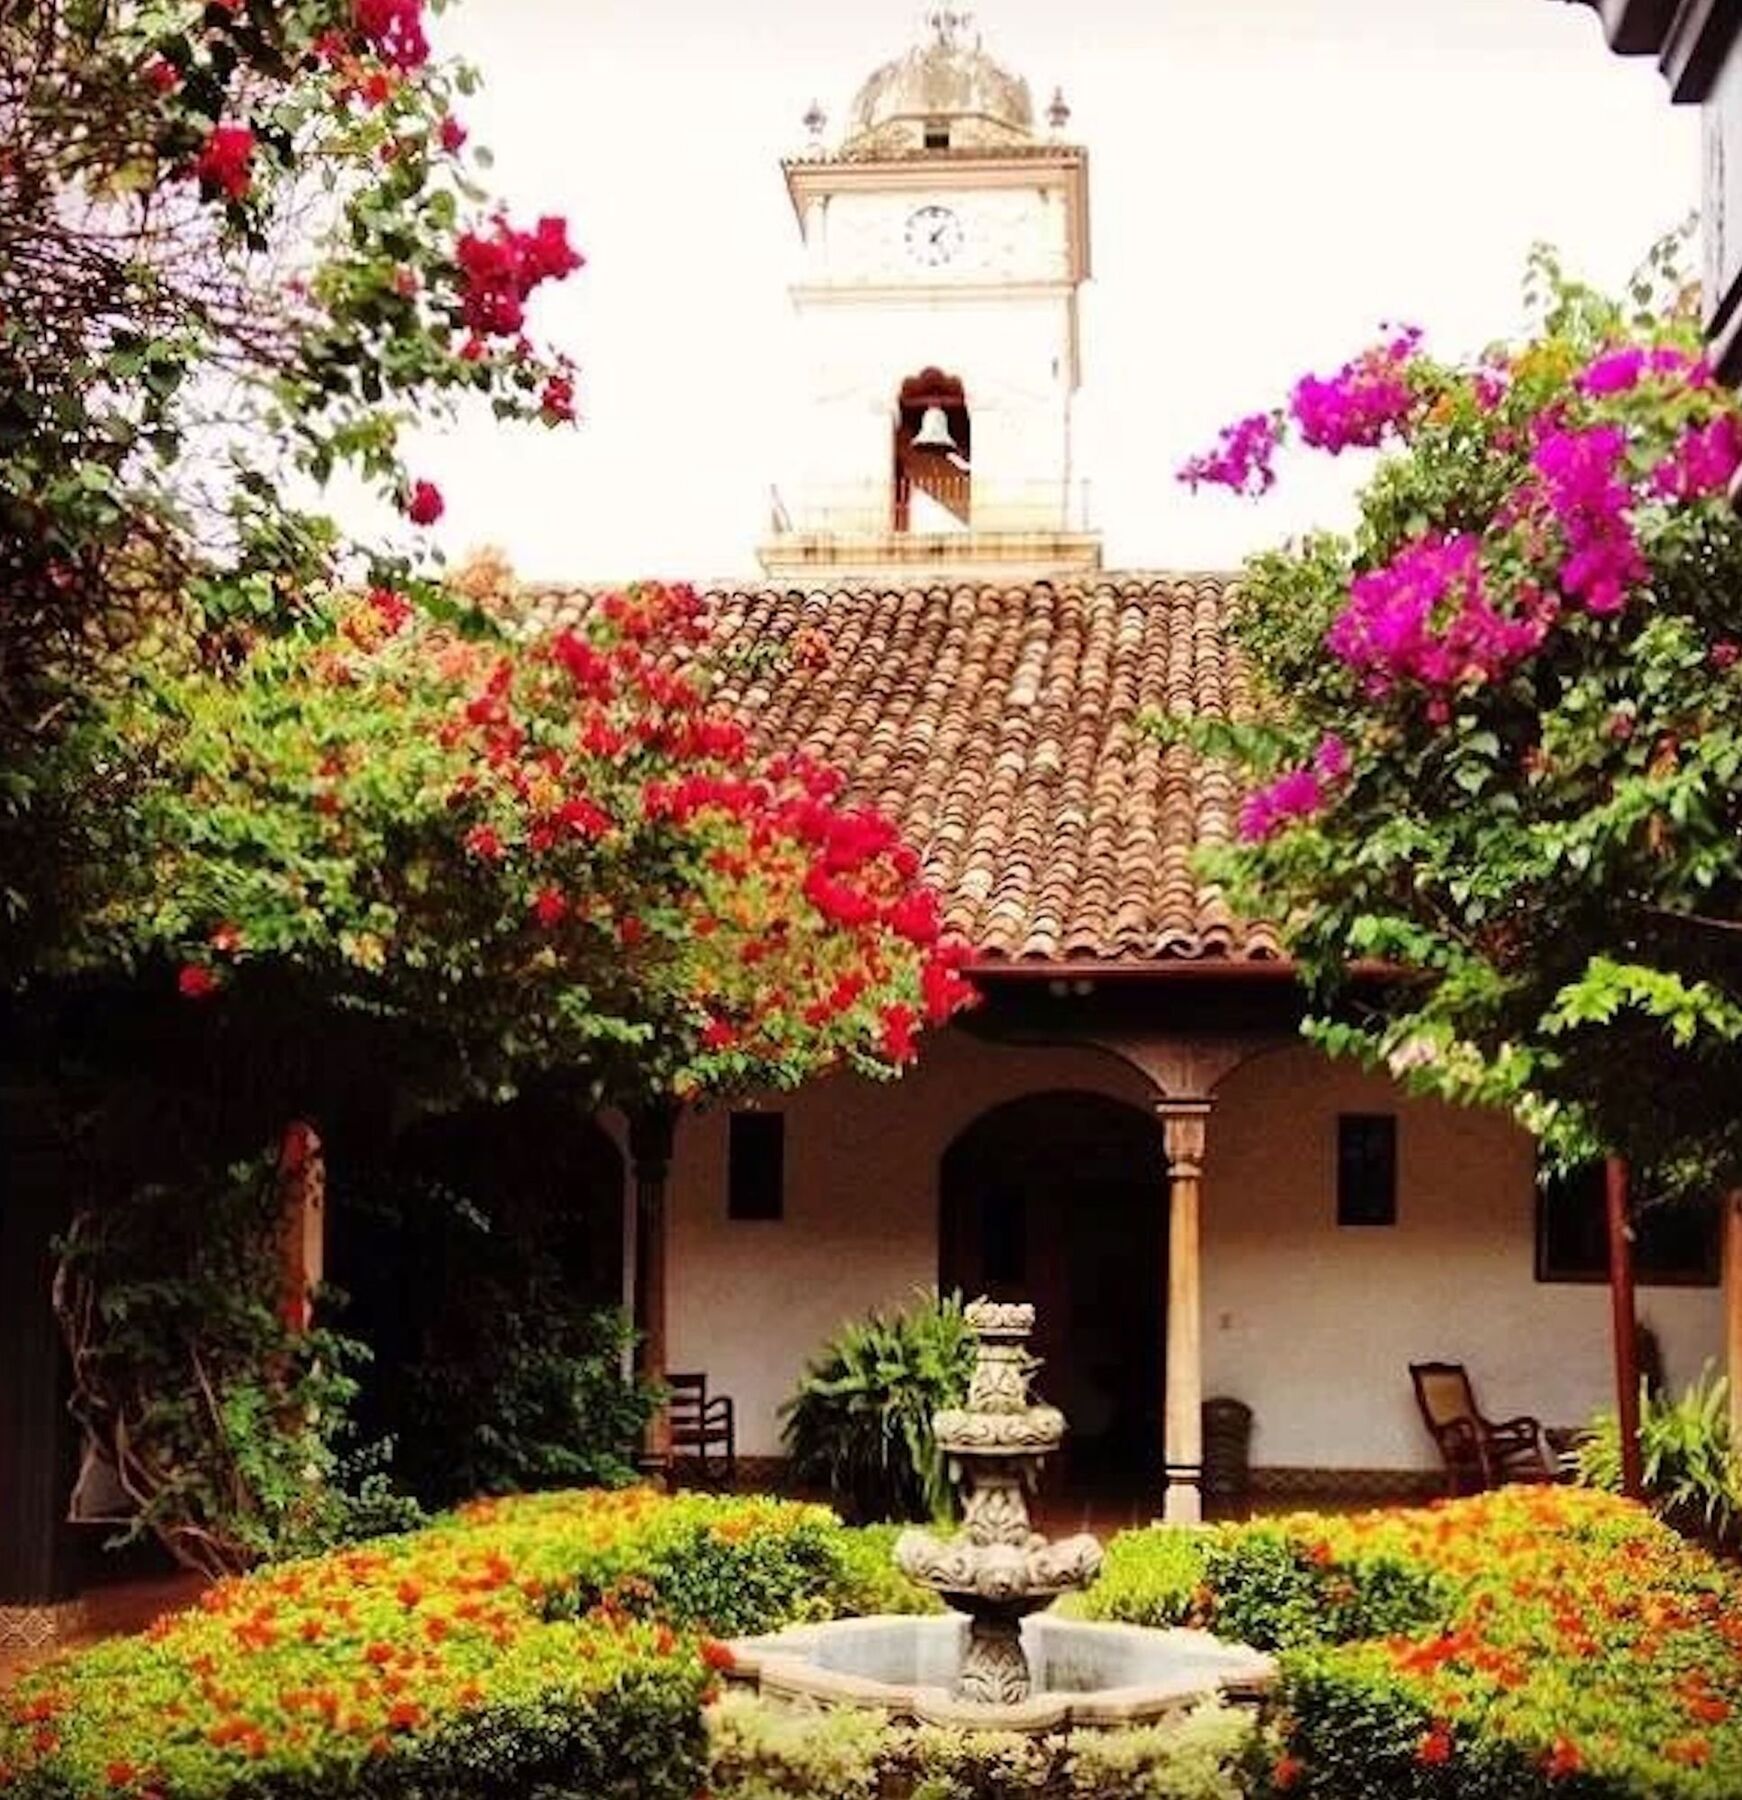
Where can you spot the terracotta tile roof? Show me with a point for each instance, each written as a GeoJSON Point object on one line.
{"type": "Point", "coordinates": [1000, 726]}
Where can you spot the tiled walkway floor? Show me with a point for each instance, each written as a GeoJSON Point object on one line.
{"type": "Point", "coordinates": [117, 1609]}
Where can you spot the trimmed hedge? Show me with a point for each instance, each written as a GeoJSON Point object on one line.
{"type": "Point", "coordinates": [763, 1752]}
{"type": "Point", "coordinates": [551, 1643]}
{"type": "Point", "coordinates": [1535, 1642]}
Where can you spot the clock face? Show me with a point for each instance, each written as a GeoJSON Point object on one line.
{"type": "Point", "coordinates": [934, 235]}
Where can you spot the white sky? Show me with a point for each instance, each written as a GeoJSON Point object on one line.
{"type": "Point", "coordinates": [1270, 180]}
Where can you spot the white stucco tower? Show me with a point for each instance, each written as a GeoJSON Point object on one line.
{"type": "Point", "coordinates": [944, 244]}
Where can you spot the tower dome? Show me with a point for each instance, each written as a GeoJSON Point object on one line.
{"type": "Point", "coordinates": [945, 93]}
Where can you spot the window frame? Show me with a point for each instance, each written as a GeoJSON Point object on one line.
{"type": "Point", "coordinates": [1350, 1214]}
{"type": "Point", "coordinates": [755, 1172]}
{"type": "Point", "coordinates": [1552, 1267]}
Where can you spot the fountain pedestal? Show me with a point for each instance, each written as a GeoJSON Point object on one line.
{"type": "Point", "coordinates": [998, 1568]}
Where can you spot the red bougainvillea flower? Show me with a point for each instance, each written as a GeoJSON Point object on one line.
{"type": "Point", "coordinates": [1435, 1747]}
{"type": "Point", "coordinates": [394, 30]}
{"type": "Point", "coordinates": [500, 268]}
{"type": "Point", "coordinates": [549, 906]}
{"type": "Point", "coordinates": [557, 402]}
{"type": "Point", "coordinates": [483, 841]}
{"type": "Point", "coordinates": [453, 135]}
{"type": "Point", "coordinates": [162, 74]}
{"type": "Point", "coordinates": [425, 504]}
{"type": "Point", "coordinates": [196, 982]}
{"type": "Point", "coordinates": [898, 1024]}
{"type": "Point", "coordinates": [1286, 1772]}
{"type": "Point", "coordinates": [225, 163]}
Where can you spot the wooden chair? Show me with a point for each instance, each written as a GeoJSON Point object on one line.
{"type": "Point", "coordinates": [1478, 1452]}
{"type": "Point", "coordinates": [704, 1430]}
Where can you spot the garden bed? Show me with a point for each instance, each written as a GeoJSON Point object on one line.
{"type": "Point", "coordinates": [552, 1642]}
{"type": "Point", "coordinates": [1538, 1641]}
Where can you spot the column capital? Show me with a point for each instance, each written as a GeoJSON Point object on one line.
{"type": "Point", "coordinates": [1184, 1124]}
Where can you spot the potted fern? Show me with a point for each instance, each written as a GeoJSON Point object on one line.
{"type": "Point", "coordinates": [860, 1424]}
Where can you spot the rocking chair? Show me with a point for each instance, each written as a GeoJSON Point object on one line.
{"type": "Point", "coordinates": [1478, 1452]}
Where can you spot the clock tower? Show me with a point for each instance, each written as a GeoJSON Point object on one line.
{"type": "Point", "coordinates": [944, 245]}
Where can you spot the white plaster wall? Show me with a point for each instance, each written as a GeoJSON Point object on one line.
{"type": "Point", "coordinates": [750, 1300]}
{"type": "Point", "coordinates": [1314, 1326]}
{"type": "Point", "coordinates": [1010, 351]}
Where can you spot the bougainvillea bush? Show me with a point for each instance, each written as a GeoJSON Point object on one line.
{"type": "Point", "coordinates": [555, 854]}
{"type": "Point", "coordinates": [551, 1644]}
{"type": "Point", "coordinates": [1502, 743]}
{"type": "Point", "coordinates": [1534, 1642]}
{"type": "Point", "coordinates": [243, 246]}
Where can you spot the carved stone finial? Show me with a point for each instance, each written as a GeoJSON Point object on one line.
{"type": "Point", "coordinates": [1058, 114]}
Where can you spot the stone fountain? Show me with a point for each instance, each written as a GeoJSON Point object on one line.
{"type": "Point", "coordinates": [998, 1570]}
{"type": "Point", "coordinates": [1001, 1663]}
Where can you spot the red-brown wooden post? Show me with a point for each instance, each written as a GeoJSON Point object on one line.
{"type": "Point", "coordinates": [302, 1195]}
{"type": "Point", "coordinates": [651, 1132]}
{"type": "Point", "coordinates": [1733, 1308]}
{"type": "Point", "coordinates": [1626, 1325]}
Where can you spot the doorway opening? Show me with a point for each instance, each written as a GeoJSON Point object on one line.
{"type": "Point", "coordinates": [1059, 1198]}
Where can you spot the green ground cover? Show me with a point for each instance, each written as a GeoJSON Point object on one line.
{"type": "Point", "coordinates": [1539, 1642]}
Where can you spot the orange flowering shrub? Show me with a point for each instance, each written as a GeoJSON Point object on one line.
{"type": "Point", "coordinates": [1559, 1642]}
{"type": "Point", "coordinates": [552, 1643]}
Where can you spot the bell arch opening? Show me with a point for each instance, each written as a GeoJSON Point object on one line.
{"type": "Point", "coordinates": [1060, 1198]}
{"type": "Point", "coordinates": [932, 448]}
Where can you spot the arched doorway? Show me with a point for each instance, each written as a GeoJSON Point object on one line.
{"type": "Point", "coordinates": [1059, 1198]}
{"type": "Point", "coordinates": [933, 448]}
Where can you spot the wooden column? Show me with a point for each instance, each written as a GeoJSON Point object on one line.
{"type": "Point", "coordinates": [38, 1448]}
{"type": "Point", "coordinates": [651, 1131]}
{"type": "Point", "coordinates": [302, 1192]}
{"type": "Point", "coordinates": [1183, 1125]}
{"type": "Point", "coordinates": [1733, 1309]}
{"type": "Point", "coordinates": [1626, 1325]}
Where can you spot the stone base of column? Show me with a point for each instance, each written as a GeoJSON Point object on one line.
{"type": "Point", "coordinates": [1183, 1503]}
{"type": "Point", "coordinates": [31, 1630]}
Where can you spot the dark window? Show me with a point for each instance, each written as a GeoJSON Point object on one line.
{"type": "Point", "coordinates": [756, 1166]}
{"type": "Point", "coordinates": [937, 135]}
{"type": "Point", "coordinates": [1673, 1246]}
{"type": "Point", "coordinates": [1004, 1237]}
{"type": "Point", "coordinates": [1366, 1169]}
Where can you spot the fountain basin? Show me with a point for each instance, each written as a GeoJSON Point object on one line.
{"type": "Point", "coordinates": [1083, 1672]}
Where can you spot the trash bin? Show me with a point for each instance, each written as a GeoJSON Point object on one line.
{"type": "Point", "coordinates": [1227, 1448]}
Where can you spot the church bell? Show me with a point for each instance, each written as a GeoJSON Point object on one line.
{"type": "Point", "coordinates": [934, 431]}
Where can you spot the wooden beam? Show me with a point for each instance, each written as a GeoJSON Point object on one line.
{"type": "Point", "coordinates": [1183, 1124]}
